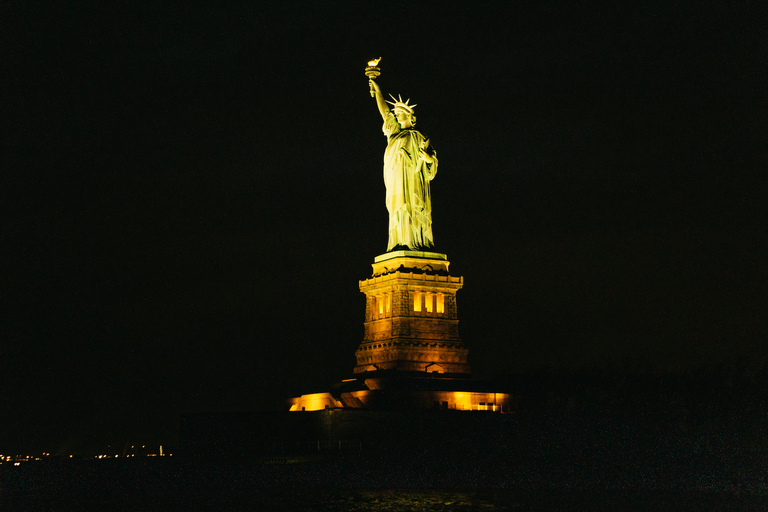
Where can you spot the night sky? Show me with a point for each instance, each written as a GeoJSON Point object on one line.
{"type": "Point", "coordinates": [191, 193]}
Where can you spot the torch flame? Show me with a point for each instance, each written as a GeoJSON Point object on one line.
{"type": "Point", "coordinates": [374, 62]}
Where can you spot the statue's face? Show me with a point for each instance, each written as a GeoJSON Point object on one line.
{"type": "Point", "coordinates": [403, 118]}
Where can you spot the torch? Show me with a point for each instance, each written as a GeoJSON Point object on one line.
{"type": "Point", "coordinates": [372, 71]}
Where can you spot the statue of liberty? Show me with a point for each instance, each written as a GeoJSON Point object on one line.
{"type": "Point", "coordinates": [410, 163]}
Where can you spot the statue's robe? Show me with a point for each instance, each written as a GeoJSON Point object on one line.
{"type": "Point", "coordinates": [407, 177]}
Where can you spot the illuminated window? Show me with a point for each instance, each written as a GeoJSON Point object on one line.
{"type": "Point", "coordinates": [383, 305]}
{"type": "Point", "coordinates": [417, 301]}
{"type": "Point", "coordinates": [440, 303]}
{"type": "Point", "coordinates": [428, 301]}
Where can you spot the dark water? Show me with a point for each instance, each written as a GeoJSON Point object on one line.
{"type": "Point", "coordinates": [494, 500]}
{"type": "Point", "coordinates": [178, 485]}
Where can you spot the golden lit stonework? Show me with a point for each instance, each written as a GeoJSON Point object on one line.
{"type": "Point", "coordinates": [411, 320]}
{"type": "Point", "coordinates": [411, 356]}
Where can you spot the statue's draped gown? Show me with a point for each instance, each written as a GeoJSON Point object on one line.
{"type": "Point", "coordinates": [407, 178]}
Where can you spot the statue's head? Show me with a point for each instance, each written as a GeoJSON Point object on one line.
{"type": "Point", "coordinates": [403, 111]}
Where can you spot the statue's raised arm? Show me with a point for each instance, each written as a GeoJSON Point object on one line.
{"type": "Point", "coordinates": [383, 108]}
{"type": "Point", "coordinates": [410, 163]}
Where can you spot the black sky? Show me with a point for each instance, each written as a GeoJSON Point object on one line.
{"type": "Point", "coordinates": [193, 191]}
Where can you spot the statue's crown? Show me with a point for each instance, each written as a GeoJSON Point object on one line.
{"type": "Point", "coordinates": [399, 104]}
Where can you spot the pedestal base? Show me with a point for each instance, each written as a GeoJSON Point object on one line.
{"type": "Point", "coordinates": [411, 356]}
{"type": "Point", "coordinates": [395, 390]}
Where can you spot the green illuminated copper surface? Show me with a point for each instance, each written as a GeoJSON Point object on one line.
{"type": "Point", "coordinates": [410, 163]}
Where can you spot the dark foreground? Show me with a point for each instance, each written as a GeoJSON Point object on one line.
{"type": "Point", "coordinates": [653, 444]}
{"type": "Point", "coordinates": [332, 484]}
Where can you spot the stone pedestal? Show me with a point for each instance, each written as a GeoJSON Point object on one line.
{"type": "Point", "coordinates": [411, 321]}
{"type": "Point", "coordinates": [411, 357]}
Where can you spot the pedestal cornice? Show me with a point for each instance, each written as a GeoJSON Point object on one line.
{"type": "Point", "coordinates": [410, 261]}
{"type": "Point", "coordinates": [410, 254]}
